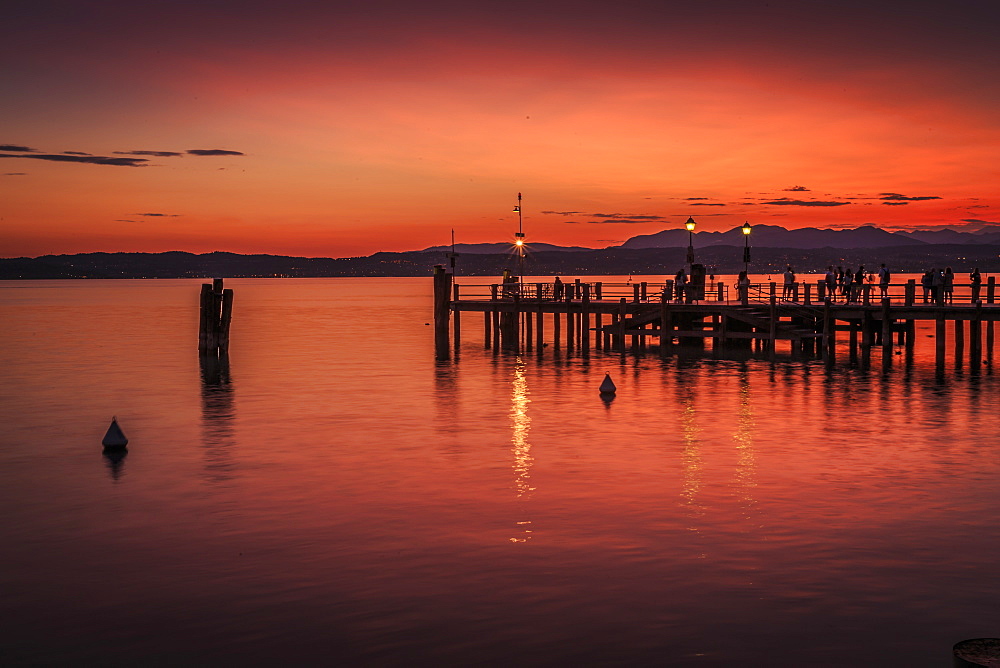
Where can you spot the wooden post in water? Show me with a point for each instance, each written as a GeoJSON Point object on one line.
{"type": "Point", "coordinates": [556, 343]}
{"type": "Point", "coordinates": [442, 312]}
{"type": "Point", "coordinates": [620, 334]}
{"type": "Point", "coordinates": [829, 340]}
{"type": "Point", "coordinates": [585, 318]}
{"type": "Point", "coordinates": [487, 321]}
{"type": "Point", "coordinates": [772, 334]}
{"type": "Point", "coordinates": [939, 339]}
{"type": "Point", "coordinates": [216, 314]}
{"type": "Point", "coordinates": [991, 286]}
{"type": "Point", "coordinates": [959, 342]}
{"type": "Point", "coordinates": [887, 323]}
{"type": "Point", "coordinates": [539, 331]}
{"type": "Point", "coordinates": [976, 336]}
{"type": "Point", "coordinates": [528, 333]}
{"type": "Point", "coordinates": [457, 326]}
{"type": "Point", "coordinates": [570, 329]}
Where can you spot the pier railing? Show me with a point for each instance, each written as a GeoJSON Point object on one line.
{"type": "Point", "coordinates": [909, 293]}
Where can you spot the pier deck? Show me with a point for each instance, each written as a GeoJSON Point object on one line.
{"type": "Point", "coordinates": [605, 316]}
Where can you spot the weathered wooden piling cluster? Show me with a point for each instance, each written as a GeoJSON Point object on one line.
{"type": "Point", "coordinates": [216, 317]}
{"type": "Point", "coordinates": [585, 316]}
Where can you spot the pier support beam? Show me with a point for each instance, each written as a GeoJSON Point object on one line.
{"type": "Point", "coordinates": [442, 312]}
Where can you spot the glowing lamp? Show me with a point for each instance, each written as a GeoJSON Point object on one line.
{"type": "Point", "coordinates": [519, 242]}
{"type": "Point", "coordinates": [746, 228]}
{"type": "Point", "coordinates": [689, 224]}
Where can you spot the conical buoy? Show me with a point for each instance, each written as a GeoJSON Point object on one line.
{"type": "Point", "coordinates": [608, 386]}
{"type": "Point", "coordinates": [115, 438]}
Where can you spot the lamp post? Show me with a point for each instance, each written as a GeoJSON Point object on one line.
{"type": "Point", "coordinates": [690, 228]}
{"type": "Point", "coordinates": [519, 243]}
{"type": "Point", "coordinates": [746, 247]}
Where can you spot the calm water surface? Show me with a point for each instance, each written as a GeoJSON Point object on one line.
{"type": "Point", "coordinates": [336, 496]}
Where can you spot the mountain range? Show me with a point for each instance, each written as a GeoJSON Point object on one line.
{"type": "Point", "coordinates": [773, 248]}
{"type": "Point", "coordinates": [766, 236]}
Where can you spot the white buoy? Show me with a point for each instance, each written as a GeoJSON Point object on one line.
{"type": "Point", "coordinates": [608, 386]}
{"type": "Point", "coordinates": [115, 438]}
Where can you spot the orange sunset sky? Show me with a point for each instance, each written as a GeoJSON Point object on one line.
{"type": "Point", "coordinates": [341, 129]}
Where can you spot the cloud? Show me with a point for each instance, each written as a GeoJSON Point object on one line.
{"type": "Point", "coordinates": [630, 216]}
{"type": "Point", "coordinates": [157, 154]}
{"type": "Point", "coordinates": [213, 151]}
{"type": "Point", "coordinates": [980, 222]}
{"type": "Point", "coordinates": [563, 213]}
{"type": "Point", "coordinates": [784, 201]}
{"type": "Point", "coordinates": [616, 221]}
{"type": "Point", "coordinates": [694, 198]}
{"type": "Point", "coordinates": [158, 215]}
{"type": "Point", "coordinates": [796, 189]}
{"type": "Point", "coordinates": [897, 196]}
{"type": "Point", "coordinates": [16, 174]}
{"type": "Point", "coordinates": [76, 153]}
{"type": "Point", "coordinates": [91, 159]}
{"type": "Point", "coordinates": [16, 148]}
{"type": "Point", "coordinates": [706, 204]}
{"type": "Point", "coordinates": [895, 203]}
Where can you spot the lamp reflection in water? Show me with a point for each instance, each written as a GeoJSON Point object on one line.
{"type": "Point", "coordinates": [746, 457]}
{"type": "Point", "coordinates": [691, 462]}
{"type": "Point", "coordinates": [520, 447]}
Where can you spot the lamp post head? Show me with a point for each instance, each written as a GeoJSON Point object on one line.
{"type": "Point", "coordinates": [746, 228]}
{"type": "Point", "coordinates": [689, 224]}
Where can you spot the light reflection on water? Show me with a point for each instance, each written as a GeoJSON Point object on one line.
{"type": "Point", "coordinates": [333, 495]}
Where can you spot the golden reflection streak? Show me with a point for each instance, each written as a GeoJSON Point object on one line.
{"type": "Point", "coordinates": [746, 462]}
{"type": "Point", "coordinates": [691, 461]}
{"type": "Point", "coordinates": [520, 426]}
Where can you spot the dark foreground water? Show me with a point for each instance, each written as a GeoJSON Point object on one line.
{"type": "Point", "coordinates": [336, 496]}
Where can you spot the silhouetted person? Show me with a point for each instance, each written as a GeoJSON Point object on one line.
{"type": "Point", "coordinates": [927, 283]}
{"type": "Point", "coordinates": [788, 284]}
{"type": "Point", "coordinates": [859, 282]}
{"type": "Point", "coordinates": [849, 285]}
{"type": "Point", "coordinates": [831, 283]}
{"type": "Point", "coordinates": [743, 286]}
{"type": "Point", "coordinates": [884, 277]}
{"type": "Point", "coordinates": [680, 284]}
{"type": "Point", "coordinates": [557, 289]}
{"type": "Point", "coordinates": [976, 279]}
{"type": "Point", "coordinates": [937, 286]}
{"type": "Point", "coordinates": [948, 283]}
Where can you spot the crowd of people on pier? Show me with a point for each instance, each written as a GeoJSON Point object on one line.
{"type": "Point", "coordinates": [848, 285]}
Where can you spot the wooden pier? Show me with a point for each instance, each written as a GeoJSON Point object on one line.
{"type": "Point", "coordinates": [578, 317]}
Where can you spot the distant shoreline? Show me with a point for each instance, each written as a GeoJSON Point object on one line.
{"type": "Point", "coordinates": [615, 261]}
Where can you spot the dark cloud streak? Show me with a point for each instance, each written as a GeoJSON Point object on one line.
{"type": "Point", "coordinates": [91, 159]}
{"type": "Point", "coordinates": [897, 196]}
{"type": "Point", "coordinates": [157, 154]}
{"type": "Point", "coordinates": [784, 201]}
{"type": "Point", "coordinates": [212, 151]}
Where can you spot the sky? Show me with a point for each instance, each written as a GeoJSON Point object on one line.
{"type": "Point", "coordinates": [342, 129]}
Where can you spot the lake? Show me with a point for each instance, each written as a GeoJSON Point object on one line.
{"type": "Point", "coordinates": [335, 496]}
